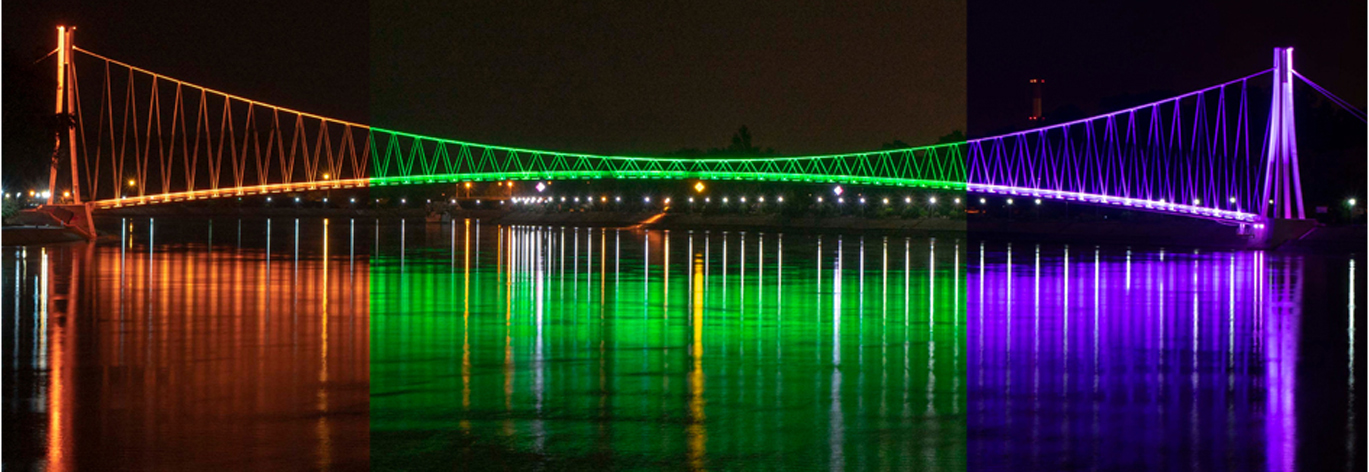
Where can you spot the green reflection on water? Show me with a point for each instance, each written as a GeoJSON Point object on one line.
{"type": "Point", "coordinates": [580, 348]}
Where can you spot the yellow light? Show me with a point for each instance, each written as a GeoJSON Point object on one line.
{"type": "Point", "coordinates": [132, 182]}
{"type": "Point", "coordinates": [66, 194]}
{"type": "Point", "coordinates": [468, 185]}
{"type": "Point", "coordinates": [699, 187]}
{"type": "Point", "coordinates": [325, 176]}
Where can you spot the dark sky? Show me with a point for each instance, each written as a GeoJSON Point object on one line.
{"type": "Point", "coordinates": [1089, 50]}
{"type": "Point", "coordinates": [637, 78]}
{"type": "Point", "coordinates": [621, 78]}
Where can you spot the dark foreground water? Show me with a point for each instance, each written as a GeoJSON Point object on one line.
{"type": "Point", "coordinates": [342, 344]}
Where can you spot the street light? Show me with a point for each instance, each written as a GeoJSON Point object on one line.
{"type": "Point", "coordinates": [1350, 202]}
{"type": "Point", "coordinates": [699, 187]}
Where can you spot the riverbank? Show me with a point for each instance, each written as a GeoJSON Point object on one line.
{"type": "Point", "coordinates": [1145, 231]}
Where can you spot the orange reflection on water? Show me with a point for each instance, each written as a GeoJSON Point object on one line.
{"type": "Point", "coordinates": [197, 356]}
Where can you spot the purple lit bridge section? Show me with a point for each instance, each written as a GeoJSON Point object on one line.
{"type": "Point", "coordinates": [1226, 153]}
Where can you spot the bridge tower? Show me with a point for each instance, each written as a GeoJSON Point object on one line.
{"type": "Point", "coordinates": [74, 215]}
{"type": "Point", "coordinates": [1282, 198]}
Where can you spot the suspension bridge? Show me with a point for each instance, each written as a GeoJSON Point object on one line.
{"type": "Point", "coordinates": [1226, 153]}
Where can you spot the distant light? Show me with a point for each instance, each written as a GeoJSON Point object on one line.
{"type": "Point", "coordinates": [761, 199]}
{"type": "Point", "coordinates": [983, 201]}
{"type": "Point", "coordinates": [862, 200]}
{"type": "Point", "coordinates": [957, 200]}
{"type": "Point", "coordinates": [453, 201]}
{"type": "Point", "coordinates": [708, 199]}
{"type": "Point", "coordinates": [841, 200]}
{"type": "Point", "coordinates": [907, 199]}
{"type": "Point", "coordinates": [837, 190]}
{"type": "Point", "coordinates": [468, 185]}
{"type": "Point", "coordinates": [1350, 202]}
{"type": "Point", "coordinates": [691, 199]}
{"type": "Point", "coordinates": [477, 202]}
{"type": "Point", "coordinates": [325, 199]}
{"type": "Point", "coordinates": [931, 200]}
{"type": "Point", "coordinates": [541, 186]}
{"type": "Point", "coordinates": [563, 198]}
{"type": "Point", "coordinates": [699, 187]}
{"type": "Point", "coordinates": [819, 199]}
{"type": "Point", "coordinates": [66, 194]}
{"type": "Point", "coordinates": [617, 199]}
{"type": "Point", "coordinates": [1010, 201]}
{"type": "Point", "coordinates": [886, 201]}
{"type": "Point", "coordinates": [603, 198]}
{"type": "Point", "coordinates": [577, 199]}
{"type": "Point", "coordinates": [1232, 199]}
{"type": "Point", "coordinates": [1038, 201]}
{"type": "Point", "coordinates": [296, 199]}
{"type": "Point", "coordinates": [646, 199]}
{"type": "Point", "coordinates": [743, 199]}
{"type": "Point", "coordinates": [352, 200]}
{"type": "Point", "coordinates": [1196, 201]}
{"type": "Point", "coordinates": [325, 176]}
{"type": "Point", "coordinates": [268, 199]}
{"type": "Point", "coordinates": [430, 200]}
{"type": "Point", "coordinates": [780, 199]}
{"type": "Point", "coordinates": [403, 200]}
{"type": "Point", "coordinates": [724, 199]}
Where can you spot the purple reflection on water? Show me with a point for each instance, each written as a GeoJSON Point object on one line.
{"type": "Point", "coordinates": [1083, 358]}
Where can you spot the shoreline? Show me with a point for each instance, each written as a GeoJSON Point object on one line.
{"type": "Point", "coordinates": [1169, 232]}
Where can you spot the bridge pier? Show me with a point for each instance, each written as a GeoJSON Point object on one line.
{"type": "Point", "coordinates": [1277, 231]}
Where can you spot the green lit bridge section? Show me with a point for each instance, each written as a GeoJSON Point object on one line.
{"type": "Point", "coordinates": [400, 158]}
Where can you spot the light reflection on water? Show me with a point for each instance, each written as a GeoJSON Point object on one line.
{"type": "Point", "coordinates": [184, 346]}
{"type": "Point", "coordinates": [1083, 358]}
{"type": "Point", "coordinates": [589, 347]}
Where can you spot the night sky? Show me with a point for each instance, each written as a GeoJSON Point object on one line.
{"type": "Point", "coordinates": [638, 78]}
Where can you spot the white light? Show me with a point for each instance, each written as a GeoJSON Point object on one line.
{"type": "Point", "coordinates": [862, 200]}
{"type": "Point", "coordinates": [886, 201]}
{"type": "Point", "coordinates": [268, 199]}
{"type": "Point", "coordinates": [1232, 199]}
{"type": "Point", "coordinates": [781, 199]}
{"type": "Point", "coordinates": [477, 202]}
{"type": "Point", "coordinates": [743, 199]}
{"type": "Point", "coordinates": [646, 199]}
{"type": "Point", "coordinates": [841, 200]}
{"type": "Point", "coordinates": [541, 186]}
{"type": "Point", "coordinates": [617, 199]}
{"type": "Point", "coordinates": [762, 199]}
{"type": "Point", "coordinates": [577, 199]}
{"type": "Point", "coordinates": [1010, 201]}
{"type": "Point", "coordinates": [1196, 201]}
{"type": "Point", "coordinates": [563, 199]}
{"type": "Point", "coordinates": [453, 201]}
{"type": "Point", "coordinates": [983, 201]}
{"type": "Point", "coordinates": [837, 190]}
{"type": "Point", "coordinates": [724, 199]}
{"type": "Point", "coordinates": [352, 200]}
{"type": "Point", "coordinates": [907, 199]}
{"type": "Point", "coordinates": [691, 199]}
{"type": "Point", "coordinates": [957, 200]}
{"type": "Point", "coordinates": [296, 199]}
{"type": "Point", "coordinates": [1038, 201]}
{"type": "Point", "coordinates": [403, 200]}
{"type": "Point", "coordinates": [931, 200]}
{"type": "Point", "coordinates": [708, 199]}
{"type": "Point", "coordinates": [667, 199]}
{"type": "Point", "coordinates": [325, 199]}
{"type": "Point", "coordinates": [1350, 202]}
{"type": "Point", "coordinates": [819, 199]}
